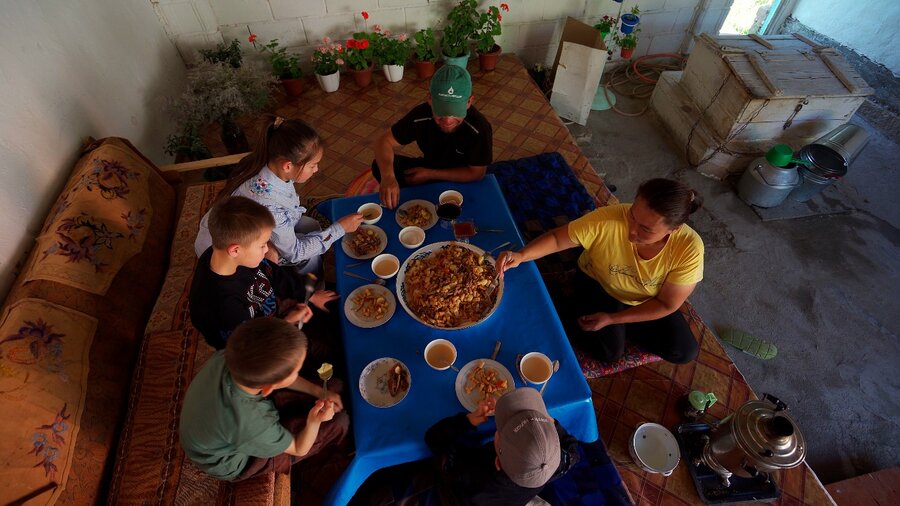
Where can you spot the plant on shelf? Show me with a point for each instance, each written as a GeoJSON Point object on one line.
{"type": "Point", "coordinates": [627, 43]}
{"type": "Point", "coordinates": [630, 20]}
{"type": "Point", "coordinates": [224, 53]}
{"type": "Point", "coordinates": [426, 54]}
{"type": "Point", "coordinates": [485, 42]}
{"type": "Point", "coordinates": [605, 25]}
{"type": "Point", "coordinates": [327, 60]}
{"type": "Point", "coordinates": [462, 22]}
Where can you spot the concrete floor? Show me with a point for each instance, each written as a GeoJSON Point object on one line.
{"type": "Point", "coordinates": [824, 289]}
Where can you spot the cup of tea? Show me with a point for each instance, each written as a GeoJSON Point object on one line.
{"type": "Point", "coordinates": [412, 237]}
{"type": "Point", "coordinates": [536, 367]}
{"type": "Point", "coordinates": [449, 205]}
{"type": "Point", "coordinates": [371, 213]}
{"type": "Point", "coordinates": [440, 354]}
{"type": "Point", "coordinates": [385, 266]}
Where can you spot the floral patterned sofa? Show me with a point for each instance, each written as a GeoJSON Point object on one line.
{"type": "Point", "coordinates": [90, 392]}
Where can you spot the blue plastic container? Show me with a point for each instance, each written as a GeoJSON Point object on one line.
{"type": "Point", "coordinates": [629, 21]}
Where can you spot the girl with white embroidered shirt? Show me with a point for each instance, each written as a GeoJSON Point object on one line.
{"type": "Point", "coordinates": [288, 152]}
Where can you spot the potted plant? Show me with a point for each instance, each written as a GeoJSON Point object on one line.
{"type": "Point", "coordinates": [630, 20]}
{"type": "Point", "coordinates": [285, 66]}
{"type": "Point", "coordinates": [393, 52]}
{"type": "Point", "coordinates": [359, 54]}
{"type": "Point", "coordinates": [485, 44]}
{"type": "Point", "coordinates": [425, 53]}
{"type": "Point", "coordinates": [327, 60]}
{"type": "Point", "coordinates": [628, 43]}
{"type": "Point", "coordinates": [605, 26]}
{"type": "Point", "coordinates": [229, 54]}
{"type": "Point", "coordinates": [187, 145]}
{"type": "Point", "coordinates": [462, 22]}
{"type": "Point", "coordinates": [218, 93]}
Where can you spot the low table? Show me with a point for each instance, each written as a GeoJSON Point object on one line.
{"type": "Point", "coordinates": [524, 321]}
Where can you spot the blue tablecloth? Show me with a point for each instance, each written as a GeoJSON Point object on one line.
{"type": "Point", "coordinates": [525, 321]}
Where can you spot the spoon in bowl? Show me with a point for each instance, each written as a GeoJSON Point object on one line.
{"type": "Point", "coordinates": [374, 281]}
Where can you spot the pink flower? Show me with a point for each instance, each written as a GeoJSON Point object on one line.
{"type": "Point", "coordinates": [326, 40]}
{"type": "Point", "coordinates": [387, 33]}
{"type": "Point", "coordinates": [402, 37]}
{"type": "Point", "coordinates": [339, 61]}
{"type": "Point", "coordinates": [321, 49]}
{"type": "Point", "coordinates": [376, 28]}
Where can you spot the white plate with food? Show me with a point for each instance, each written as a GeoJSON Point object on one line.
{"type": "Point", "coordinates": [370, 306]}
{"type": "Point", "coordinates": [416, 213]}
{"type": "Point", "coordinates": [480, 379]}
{"type": "Point", "coordinates": [367, 242]}
{"type": "Point", "coordinates": [446, 285]}
{"type": "Point", "coordinates": [384, 382]}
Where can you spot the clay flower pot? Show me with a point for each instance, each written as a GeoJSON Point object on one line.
{"type": "Point", "coordinates": [362, 77]}
{"type": "Point", "coordinates": [292, 87]}
{"type": "Point", "coordinates": [626, 52]}
{"type": "Point", "coordinates": [424, 69]}
{"type": "Point", "coordinates": [488, 61]}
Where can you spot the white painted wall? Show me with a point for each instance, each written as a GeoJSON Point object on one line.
{"type": "Point", "coordinates": [70, 69]}
{"type": "Point", "coordinates": [531, 28]}
{"type": "Point", "coordinates": [870, 27]}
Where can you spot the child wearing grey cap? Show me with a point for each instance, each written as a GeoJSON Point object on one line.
{"type": "Point", "coordinates": [529, 450]}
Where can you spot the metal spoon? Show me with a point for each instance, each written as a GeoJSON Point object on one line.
{"type": "Point", "coordinates": [555, 368]}
{"type": "Point", "coordinates": [375, 281]}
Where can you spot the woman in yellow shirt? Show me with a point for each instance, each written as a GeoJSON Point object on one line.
{"type": "Point", "coordinates": [640, 263]}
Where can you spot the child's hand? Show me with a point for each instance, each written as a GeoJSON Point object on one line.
{"type": "Point", "coordinates": [322, 411]}
{"type": "Point", "coordinates": [322, 297]}
{"type": "Point", "coordinates": [351, 222]}
{"type": "Point", "coordinates": [335, 400]}
{"type": "Point", "coordinates": [484, 410]}
{"type": "Point", "coordinates": [508, 260]}
{"type": "Point", "coordinates": [300, 313]}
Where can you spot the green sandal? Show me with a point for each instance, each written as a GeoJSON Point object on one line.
{"type": "Point", "coordinates": [748, 344]}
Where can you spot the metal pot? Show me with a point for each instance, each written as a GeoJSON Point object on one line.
{"type": "Point", "coordinates": [760, 437]}
{"type": "Point", "coordinates": [766, 185]}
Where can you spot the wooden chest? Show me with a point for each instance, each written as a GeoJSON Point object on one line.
{"type": "Point", "coordinates": [738, 95]}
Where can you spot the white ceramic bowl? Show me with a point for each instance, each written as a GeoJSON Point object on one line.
{"type": "Point", "coordinates": [412, 237]}
{"type": "Point", "coordinates": [371, 207]}
{"type": "Point", "coordinates": [451, 195]}
{"type": "Point", "coordinates": [653, 448]}
{"type": "Point", "coordinates": [438, 342]}
{"type": "Point", "coordinates": [382, 259]}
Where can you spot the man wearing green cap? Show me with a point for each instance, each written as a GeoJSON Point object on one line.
{"type": "Point", "coordinates": [455, 139]}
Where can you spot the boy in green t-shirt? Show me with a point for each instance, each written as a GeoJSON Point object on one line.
{"type": "Point", "coordinates": [243, 413]}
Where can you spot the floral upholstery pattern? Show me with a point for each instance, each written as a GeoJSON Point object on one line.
{"type": "Point", "coordinates": [85, 245]}
{"type": "Point", "coordinates": [43, 378]}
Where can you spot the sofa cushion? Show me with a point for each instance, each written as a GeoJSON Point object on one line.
{"type": "Point", "coordinates": [120, 299]}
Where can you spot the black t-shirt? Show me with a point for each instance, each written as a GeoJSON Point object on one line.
{"type": "Point", "coordinates": [471, 144]}
{"type": "Point", "coordinates": [218, 304]}
{"type": "Point", "coordinates": [468, 466]}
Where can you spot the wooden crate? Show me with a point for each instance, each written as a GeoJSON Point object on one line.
{"type": "Point", "coordinates": [739, 95]}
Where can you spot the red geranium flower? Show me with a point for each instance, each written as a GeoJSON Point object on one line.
{"type": "Point", "coordinates": [351, 43]}
{"type": "Point", "coordinates": [504, 7]}
{"type": "Point", "coordinates": [365, 15]}
{"type": "Point", "coordinates": [499, 17]}
{"type": "Point", "coordinates": [363, 44]}
{"type": "Point", "coordinates": [252, 38]}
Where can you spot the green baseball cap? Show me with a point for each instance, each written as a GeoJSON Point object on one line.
{"type": "Point", "coordinates": [451, 88]}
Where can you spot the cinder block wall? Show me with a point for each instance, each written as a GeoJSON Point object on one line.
{"type": "Point", "coordinates": [531, 28]}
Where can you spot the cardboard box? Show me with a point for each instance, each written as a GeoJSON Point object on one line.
{"type": "Point", "coordinates": [577, 69]}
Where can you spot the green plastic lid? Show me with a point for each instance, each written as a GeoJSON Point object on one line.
{"type": "Point", "coordinates": [699, 399]}
{"type": "Point", "coordinates": [780, 155]}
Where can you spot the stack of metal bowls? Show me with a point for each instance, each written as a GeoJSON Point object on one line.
{"type": "Point", "coordinates": [828, 159]}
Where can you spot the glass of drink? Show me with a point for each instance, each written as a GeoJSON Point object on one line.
{"type": "Point", "coordinates": [449, 206]}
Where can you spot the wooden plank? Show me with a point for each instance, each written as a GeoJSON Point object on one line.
{"type": "Point", "coordinates": [806, 41]}
{"type": "Point", "coordinates": [873, 489]}
{"type": "Point", "coordinates": [763, 72]}
{"type": "Point", "coordinates": [204, 164]}
{"type": "Point", "coordinates": [833, 66]}
{"type": "Point", "coordinates": [762, 41]}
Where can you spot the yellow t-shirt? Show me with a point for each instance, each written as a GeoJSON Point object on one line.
{"type": "Point", "coordinates": [611, 259]}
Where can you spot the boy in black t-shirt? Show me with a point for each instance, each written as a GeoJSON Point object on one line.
{"type": "Point", "coordinates": [455, 139]}
{"type": "Point", "coordinates": [234, 282]}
